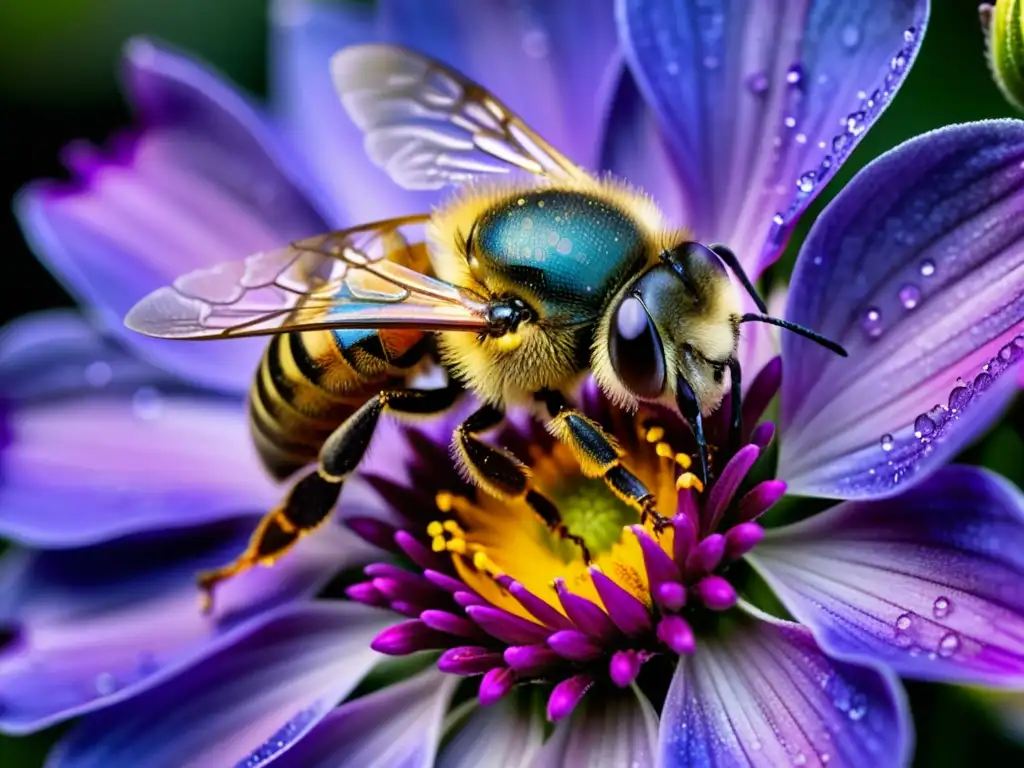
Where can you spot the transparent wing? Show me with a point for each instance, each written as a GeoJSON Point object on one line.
{"type": "Point", "coordinates": [429, 127]}
{"type": "Point", "coordinates": [366, 277]}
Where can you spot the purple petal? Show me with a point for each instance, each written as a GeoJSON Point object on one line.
{"type": "Point", "coordinates": [624, 667]}
{"type": "Point", "coordinates": [55, 353]}
{"type": "Point", "coordinates": [762, 102]}
{"type": "Point", "coordinates": [399, 726]}
{"type": "Point", "coordinates": [203, 181]}
{"type": "Point", "coordinates": [617, 728]}
{"type": "Point", "coordinates": [540, 610]}
{"type": "Point", "coordinates": [928, 582]}
{"type": "Point", "coordinates": [305, 33]}
{"type": "Point", "coordinates": [530, 660]}
{"type": "Point", "coordinates": [531, 55]}
{"type": "Point", "coordinates": [763, 694]}
{"type": "Point", "coordinates": [83, 469]}
{"type": "Point", "coordinates": [259, 695]}
{"type": "Point", "coordinates": [674, 632]}
{"type": "Point", "coordinates": [660, 567]}
{"type": "Point", "coordinates": [509, 733]}
{"type": "Point", "coordinates": [410, 637]}
{"type": "Point", "coordinates": [101, 624]}
{"type": "Point", "coordinates": [761, 498]}
{"type": "Point", "coordinates": [917, 268]}
{"type": "Point", "coordinates": [585, 614]}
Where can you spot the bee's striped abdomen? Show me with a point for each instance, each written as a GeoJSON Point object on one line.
{"type": "Point", "coordinates": [309, 382]}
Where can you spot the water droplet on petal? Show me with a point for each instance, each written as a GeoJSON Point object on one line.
{"type": "Point", "coordinates": [910, 296]}
{"type": "Point", "coordinates": [105, 684]}
{"type": "Point", "coordinates": [800, 759]}
{"type": "Point", "coordinates": [795, 74]}
{"type": "Point", "coordinates": [757, 83]}
{"type": "Point", "coordinates": [871, 323]}
{"type": "Point", "coordinates": [887, 442]}
{"type": "Point", "coordinates": [535, 43]}
{"type": "Point", "coordinates": [790, 122]}
{"type": "Point", "coordinates": [941, 607]}
{"type": "Point", "coordinates": [904, 621]}
{"type": "Point", "coordinates": [98, 374]}
{"type": "Point", "coordinates": [910, 34]}
{"type": "Point", "coordinates": [923, 426]}
{"type": "Point", "coordinates": [949, 644]}
{"type": "Point", "coordinates": [927, 268]}
{"type": "Point", "coordinates": [839, 142]}
{"type": "Point", "coordinates": [850, 36]}
{"type": "Point", "coordinates": [778, 220]}
{"type": "Point", "coordinates": [858, 707]}
{"type": "Point", "coordinates": [959, 398]}
{"type": "Point", "coordinates": [855, 123]}
{"type": "Point", "coordinates": [825, 757]}
{"type": "Point", "coordinates": [806, 183]}
{"type": "Point", "coordinates": [147, 404]}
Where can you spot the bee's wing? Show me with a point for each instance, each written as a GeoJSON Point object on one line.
{"type": "Point", "coordinates": [344, 279]}
{"type": "Point", "coordinates": [429, 127]}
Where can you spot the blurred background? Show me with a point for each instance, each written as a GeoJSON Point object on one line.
{"type": "Point", "coordinates": [58, 65]}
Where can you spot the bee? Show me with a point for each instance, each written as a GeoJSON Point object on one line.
{"type": "Point", "coordinates": [535, 274]}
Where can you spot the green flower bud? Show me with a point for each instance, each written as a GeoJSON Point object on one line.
{"type": "Point", "coordinates": [1003, 25]}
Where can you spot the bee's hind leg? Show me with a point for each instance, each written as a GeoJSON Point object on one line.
{"type": "Point", "coordinates": [502, 475]}
{"type": "Point", "coordinates": [312, 498]}
{"type": "Point", "coordinates": [598, 455]}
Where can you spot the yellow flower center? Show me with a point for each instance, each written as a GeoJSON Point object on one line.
{"type": "Point", "coordinates": [488, 538]}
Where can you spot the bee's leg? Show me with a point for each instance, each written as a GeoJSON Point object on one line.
{"type": "Point", "coordinates": [598, 455]}
{"type": "Point", "coordinates": [736, 406]}
{"type": "Point", "coordinates": [502, 475]}
{"type": "Point", "coordinates": [313, 497]}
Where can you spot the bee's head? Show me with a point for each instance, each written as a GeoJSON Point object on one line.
{"type": "Point", "coordinates": [679, 319]}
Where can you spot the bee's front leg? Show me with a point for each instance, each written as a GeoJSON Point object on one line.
{"type": "Point", "coordinates": [501, 474]}
{"type": "Point", "coordinates": [312, 498]}
{"type": "Point", "coordinates": [598, 455]}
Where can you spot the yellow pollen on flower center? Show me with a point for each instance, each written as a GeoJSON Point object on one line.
{"type": "Point", "coordinates": [488, 538]}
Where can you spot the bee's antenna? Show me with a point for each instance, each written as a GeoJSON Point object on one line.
{"type": "Point", "coordinates": [725, 254]}
{"type": "Point", "coordinates": [807, 333]}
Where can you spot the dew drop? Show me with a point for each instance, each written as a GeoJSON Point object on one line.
{"type": "Point", "coordinates": [982, 382]}
{"type": "Point", "coordinates": [799, 759]}
{"type": "Point", "coordinates": [825, 757]}
{"type": "Point", "coordinates": [806, 183]}
{"type": "Point", "coordinates": [941, 607]}
{"type": "Point", "coordinates": [800, 138]}
{"type": "Point", "coordinates": [850, 36]}
{"type": "Point", "coordinates": [778, 220]}
{"type": "Point", "coordinates": [949, 644]}
{"type": "Point", "coordinates": [105, 683]}
{"type": "Point", "coordinates": [858, 707]}
{"type": "Point", "coordinates": [855, 123]}
{"type": "Point", "coordinates": [757, 83]}
{"type": "Point", "coordinates": [871, 323]}
{"type": "Point", "coordinates": [910, 296]}
{"type": "Point", "coordinates": [887, 442]}
{"type": "Point", "coordinates": [147, 404]}
{"type": "Point", "coordinates": [903, 622]}
{"type": "Point", "coordinates": [535, 44]}
{"type": "Point", "coordinates": [898, 62]}
{"type": "Point", "coordinates": [790, 122]}
{"type": "Point", "coordinates": [910, 34]}
{"type": "Point", "coordinates": [959, 398]}
{"type": "Point", "coordinates": [564, 246]}
{"type": "Point", "coordinates": [927, 268]}
{"type": "Point", "coordinates": [795, 74]}
{"type": "Point", "coordinates": [98, 374]}
{"type": "Point", "coordinates": [923, 426]}
{"type": "Point", "coordinates": [839, 142]}
{"type": "Point", "coordinates": [711, 62]}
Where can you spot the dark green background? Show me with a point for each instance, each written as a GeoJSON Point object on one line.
{"type": "Point", "coordinates": [57, 82]}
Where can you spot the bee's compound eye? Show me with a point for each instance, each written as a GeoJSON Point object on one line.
{"type": "Point", "coordinates": [635, 348]}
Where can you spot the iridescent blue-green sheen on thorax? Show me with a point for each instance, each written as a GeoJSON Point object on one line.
{"type": "Point", "coordinates": [571, 250]}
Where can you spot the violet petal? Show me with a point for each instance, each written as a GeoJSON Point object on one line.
{"type": "Point", "coordinates": [469, 660]}
{"type": "Point", "coordinates": [627, 613]}
{"type": "Point", "coordinates": [567, 695]}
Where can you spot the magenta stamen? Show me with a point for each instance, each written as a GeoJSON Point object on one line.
{"type": "Point", "coordinates": [410, 637]}
{"type": "Point", "coordinates": [404, 607]}
{"type": "Point", "coordinates": [468, 660]}
{"type": "Point", "coordinates": [495, 685]}
{"type": "Point", "coordinates": [674, 632]}
{"type": "Point", "coordinates": [742, 538]}
{"type": "Point", "coordinates": [760, 499]}
{"type": "Point", "coordinates": [366, 593]}
{"type": "Point", "coordinates": [624, 667]}
{"type": "Point", "coordinates": [724, 489]}
{"type": "Point", "coordinates": [443, 621]}
{"type": "Point", "coordinates": [567, 695]}
{"type": "Point", "coordinates": [444, 581]}
{"type": "Point", "coordinates": [531, 660]}
{"type": "Point", "coordinates": [574, 645]}
{"type": "Point", "coordinates": [685, 536]}
{"type": "Point", "coordinates": [376, 532]}
{"type": "Point", "coordinates": [585, 615]}
{"type": "Point", "coordinates": [716, 593]}
{"type": "Point", "coordinates": [660, 567]}
{"type": "Point", "coordinates": [671, 596]}
{"type": "Point", "coordinates": [417, 552]}
{"type": "Point", "coordinates": [706, 556]}
{"type": "Point", "coordinates": [507, 627]}
{"type": "Point", "coordinates": [762, 435]}
{"type": "Point", "coordinates": [537, 607]}
{"type": "Point", "coordinates": [629, 614]}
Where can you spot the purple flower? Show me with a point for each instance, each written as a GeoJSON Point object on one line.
{"type": "Point", "coordinates": [125, 467]}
